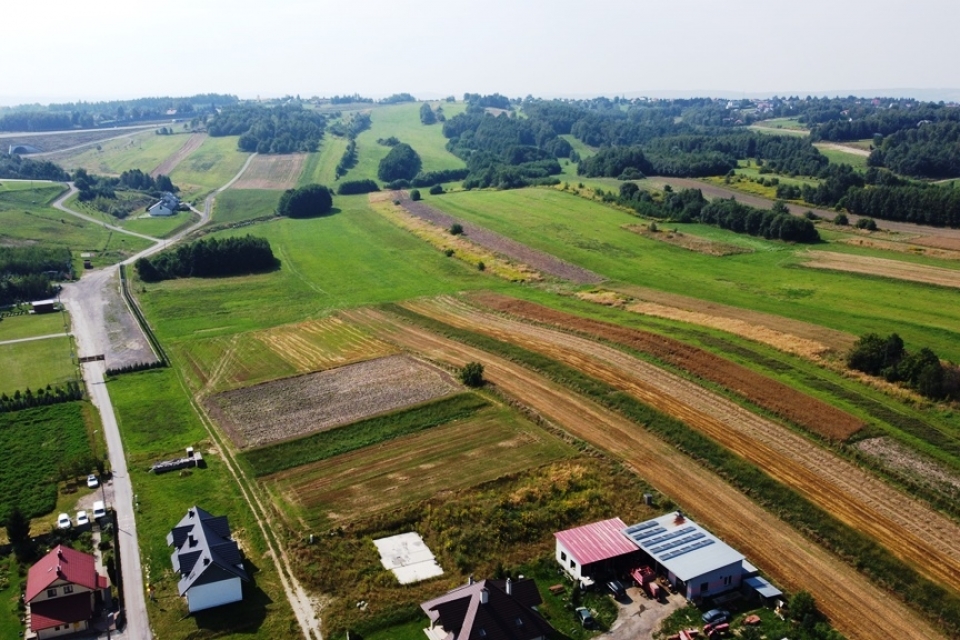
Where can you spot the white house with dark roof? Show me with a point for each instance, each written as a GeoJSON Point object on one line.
{"type": "Point", "coordinates": [167, 205]}
{"type": "Point", "coordinates": [207, 559]}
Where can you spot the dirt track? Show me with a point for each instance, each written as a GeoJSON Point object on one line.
{"type": "Point", "coordinates": [192, 144]}
{"type": "Point", "coordinates": [855, 606]}
{"type": "Point", "coordinates": [911, 531]}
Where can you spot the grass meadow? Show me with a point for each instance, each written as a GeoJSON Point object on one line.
{"type": "Point", "coordinates": [144, 151]}
{"type": "Point", "coordinates": [590, 234]}
{"type": "Point", "coordinates": [36, 363]}
{"type": "Point", "coordinates": [138, 221]}
{"type": "Point", "coordinates": [321, 166]}
{"type": "Point", "coordinates": [403, 121]}
{"type": "Point", "coordinates": [350, 258]}
{"type": "Point", "coordinates": [29, 325]}
{"type": "Point", "coordinates": [838, 156]}
{"type": "Point", "coordinates": [208, 168]}
{"type": "Point", "coordinates": [139, 399]}
{"type": "Point", "coordinates": [237, 205]}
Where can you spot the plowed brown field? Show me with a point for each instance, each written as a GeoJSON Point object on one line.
{"type": "Point", "coordinates": [911, 531]}
{"type": "Point", "coordinates": [884, 267]}
{"type": "Point", "coordinates": [857, 608]}
{"type": "Point", "coordinates": [773, 396]}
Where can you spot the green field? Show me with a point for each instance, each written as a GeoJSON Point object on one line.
{"type": "Point", "coordinates": [837, 156]}
{"type": "Point", "coordinates": [10, 583]}
{"type": "Point", "coordinates": [138, 221]}
{"type": "Point", "coordinates": [785, 126]}
{"type": "Point", "coordinates": [37, 363]}
{"type": "Point", "coordinates": [139, 399]}
{"type": "Point", "coordinates": [29, 325]}
{"type": "Point", "coordinates": [589, 234]}
{"type": "Point", "coordinates": [208, 168]}
{"type": "Point", "coordinates": [144, 151]}
{"type": "Point", "coordinates": [351, 258]}
{"type": "Point", "coordinates": [403, 121]}
{"type": "Point", "coordinates": [321, 166]}
{"type": "Point", "coordinates": [36, 444]}
{"type": "Point", "coordinates": [237, 205]}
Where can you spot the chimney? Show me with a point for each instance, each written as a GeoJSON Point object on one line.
{"type": "Point", "coordinates": [470, 580]}
{"type": "Point", "coordinates": [484, 596]}
{"type": "Point", "coordinates": [509, 588]}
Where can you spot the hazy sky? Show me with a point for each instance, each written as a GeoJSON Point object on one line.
{"type": "Point", "coordinates": [53, 50]}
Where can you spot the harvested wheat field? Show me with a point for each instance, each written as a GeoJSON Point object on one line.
{"type": "Point", "coordinates": [292, 407]}
{"type": "Point", "coordinates": [688, 242]}
{"type": "Point", "coordinates": [272, 171]}
{"type": "Point", "coordinates": [924, 246]}
{"type": "Point", "coordinates": [778, 398]}
{"type": "Point", "coordinates": [883, 267]}
{"type": "Point", "coordinates": [192, 144]}
{"type": "Point", "coordinates": [911, 531]}
{"type": "Point", "coordinates": [848, 598]}
{"type": "Point", "coordinates": [417, 467]}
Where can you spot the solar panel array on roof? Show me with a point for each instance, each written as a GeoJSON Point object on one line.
{"type": "Point", "coordinates": [692, 547]}
{"type": "Point", "coordinates": [640, 527]}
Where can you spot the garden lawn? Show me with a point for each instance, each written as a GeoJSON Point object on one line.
{"type": "Point", "coordinates": [36, 363]}
{"type": "Point", "coordinates": [350, 258]}
{"type": "Point", "coordinates": [28, 325]}
{"type": "Point", "coordinates": [590, 234]}
{"type": "Point", "coordinates": [157, 422]}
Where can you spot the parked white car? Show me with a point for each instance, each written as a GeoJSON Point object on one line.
{"type": "Point", "coordinates": [92, 481]}
{"type": "Point", "coordinates": [63, 521]}
{"type": "Point", "coordinates": [99, 510]}
{"type": "Point", "coordinates": [82, 519]}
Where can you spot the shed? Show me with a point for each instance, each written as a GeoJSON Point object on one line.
{"type": "Point", "coordinates": [762, 590]}
{"type": "Point", "coordinates": [44, 306]}
{"type": "Point", "coordinates": [587, 552]}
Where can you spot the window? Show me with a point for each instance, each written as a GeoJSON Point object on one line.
{"type": "Point", "coordinates": [573, 565]}
{"type": "Point", "coordinates": [67, 588]}
{"type": "Point", "coordinates": [727, 580]}
{"type": "Point", "coordinates": [563, 556]}
{"type": "Point", "coordinates": [52, 593]}
{"type": "Point", "coordinates": [704, 587]}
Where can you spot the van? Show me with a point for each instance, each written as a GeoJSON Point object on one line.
{"type": "Point", "coordinates": [99, 510]}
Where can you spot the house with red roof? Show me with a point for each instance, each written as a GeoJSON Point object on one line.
{"type": "Point", "coordinates": [588, 552]}
{"type": "Point", "coordinates": [64, 591]}
{"type": "Point", "coordinates": [488, 610]}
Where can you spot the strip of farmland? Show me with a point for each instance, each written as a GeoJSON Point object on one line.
{"type": "Point", "coordinates": [883, 267]}
{"type": "Point", "coordinates": [912, 532]}
{"type": "Point", "coordinates": [855, 605]}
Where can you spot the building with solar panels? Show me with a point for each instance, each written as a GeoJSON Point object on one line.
{"type": "Point", "coordinates": [696, 562]}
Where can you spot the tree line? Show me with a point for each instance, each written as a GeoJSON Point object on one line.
{"type": "Point", "coordinates": [280, 129]}
{"type": "Point", "coordinates": [16, 168]}
{"type": "Point", "coordinates": [41, 397]}
{"type": "Point", "coordinates": [209, 258]}
{"type": "Point", "coordinates": [922, 370]}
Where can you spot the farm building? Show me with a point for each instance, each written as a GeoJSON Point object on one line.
{"type": "Point", "coordinates": [64, 590]}
{"type": "Point", "coordinates": [695, 561]}
{"type": "Point", "coordinates": [587, 553]}
{"type": "Point", "coordinates": [207, 559]}
{"type": "Point", "coordinates": [44, 306]}
{"type": "Point", "coordinates": [167, 206]}
{"type": "Point", "coordinates": [488, 609]}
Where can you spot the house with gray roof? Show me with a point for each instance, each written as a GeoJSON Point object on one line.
{"type": "Point", "coordinates": [207, 559]}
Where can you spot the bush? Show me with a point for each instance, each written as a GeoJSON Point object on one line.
{"type": "Point", "coordinates": [402, 163]}
{"type": "Point", "coordinates": [841, 220]}
{"type": "Point", "coordinates": [415, 195]}
{"type": "Point", "coordinates": [448, 252]}
{"type": "Point", "coordinates": [456, 229]}
{"type": "Point", "coordinates": [307, 201]}
{"type": "Point", "coordinates": [867, 223]}
{"type": "Point", "coordinates": [353, 187]}
{"type": "Point", "coordinates": [472, 374]}
{"type": "Point", "coordinates": [481, 266]}
{"type": "Point", "coordinates": [436, 189]}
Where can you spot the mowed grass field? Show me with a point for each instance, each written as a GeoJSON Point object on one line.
{"type": "Point", "coordinates": [403, 121]}
{"type": "Point", "coordinates": [839, 156]}
{"type": "Point", "coordinates": [208, 168]}
{"type": "Point", "coordinates": [590, 234]}
{"type": "Point", "coordinates": [144, 151]}
{"type": "Point", "coordinates": [321, 166]}
{"type": "Point", "coordinates": [237, 205]}
{"type": "Point", "coordinates": [36, 363]}
{"type": "Point", "coordinates": [139, 400]}
{"type": "Point", "coordinates": [490, 444]}
{"type": "Point", "coordinates": [350, 258]}
{"type": "Point", "coordinates": [29, 325]}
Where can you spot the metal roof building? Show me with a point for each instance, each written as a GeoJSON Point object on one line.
{"type": "Point", "coordinates": [698, 563]}
{"type": "Point", "coordinates": [584, 551]}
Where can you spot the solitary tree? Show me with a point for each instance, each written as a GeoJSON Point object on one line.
{"type": "Point", "coordinates": [402, 163]}
{"type": "Point", "coordinates": [472, 374]}
{"type": "Point", "coordinates": [307, 201]}
{"type": "Point", "coordinates": [18, 531]}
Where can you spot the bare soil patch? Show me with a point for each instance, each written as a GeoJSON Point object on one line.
{"type": "Point", "coordinates": [192, 144]}
{"type": "Point", "coordinates": [916, 466]}
{"type": "Point", "coordinates": [847, 597]}
{"type": "Point", "coordinates": [883, 267]}
{"type": "Point", "coordinates": [773, 396]}
{"type": "Point", "coordinates": [272, 171]}
{"type": "Point", "coordinates": [948, 243]}
{"type": "Point", "coordinates": [910, 530]}
{"type": "Point", "coordinates": [292, 407]}
{"type": "Point", "coordinates": [688, 242]}
{"type": "Point", "coordinates": [538, 260]}
{"type": "Point", "coordinates": [919, 246]}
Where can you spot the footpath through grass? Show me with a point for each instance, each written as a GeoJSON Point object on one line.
{"type": "Point", "coordinates": [157, 422]}
{"type": "Point", "coordinates": [937, 603]}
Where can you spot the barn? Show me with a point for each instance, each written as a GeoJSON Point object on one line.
{"type": "Point", "coordinates": [593, 551]}
{"type": "Point", "coordinates": [696, 562]}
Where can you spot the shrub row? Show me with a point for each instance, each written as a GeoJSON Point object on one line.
{"type": "Point", "coordinates": [42, 397]}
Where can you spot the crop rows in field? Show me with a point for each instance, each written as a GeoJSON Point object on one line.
{"type": "Point", "coordinates": [911, 531]}
{"type": "Point", "coordinates": [847, 597]}
{"type": "Point", "coordinates": [883, 267]}
{"type": "Point", "coordinates": [272, 171]}
{"type": "Point", "coordinates": [293, 407]}
{"type": "Point", "coordinates": [416, 467]}
{"type": "Point", "coordinates": [538, 260]}
{"type": "Point", "coordinates": [776, 397]}
{"type": "Point", "coordinates": [170, 162]}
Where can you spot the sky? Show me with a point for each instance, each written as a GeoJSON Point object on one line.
{"type": "Point", "coordinates": [55, 50]}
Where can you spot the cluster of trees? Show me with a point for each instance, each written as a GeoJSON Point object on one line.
{"type": "Point", "coordinates": [401, 163]}
{"type": "Point", "coordinates": [350, 99]}
{"type": "Point", "coordinates": [25, 272]}
{"type": "Point", "coordinates": [351, 127]}
{"type": "Point", "coordinates": [353, 187]}
{"type": "Point", "coordinates": [50, 395]}
{"type": "Point", "coordinates": [92, 188]}
{"type": "Point", "coordinates": [72, 115]}
{"type": "Point", "coordinates": [348, 160]}
{"type": "Point", "coordinates": [208, 258]}
{"type": "Point", "coordinates": [392, 141]}
{"type": "Point", "coordinates": [305, 202]}
{"type": "Point", "coordinates": [427, 116]}
{"type": "Point", "coordinates": [931, 150]}
{"type": "Point", "coordinates": [921, 371]}
{"type": "Point", "coordinates": [397, 98]}
{"type": "Point", "coordinates": [430, 178]}
{"type": "Point", "coordinates": [139, 366]}
{"type": "Point", "coordinates": [493, 101]}
{"type": "Point", "coordinates": [281, 129]}
{"type": "Point", "coordinates": [16, 288]}
{"type": "Point", "coordinates": [16, 168]}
